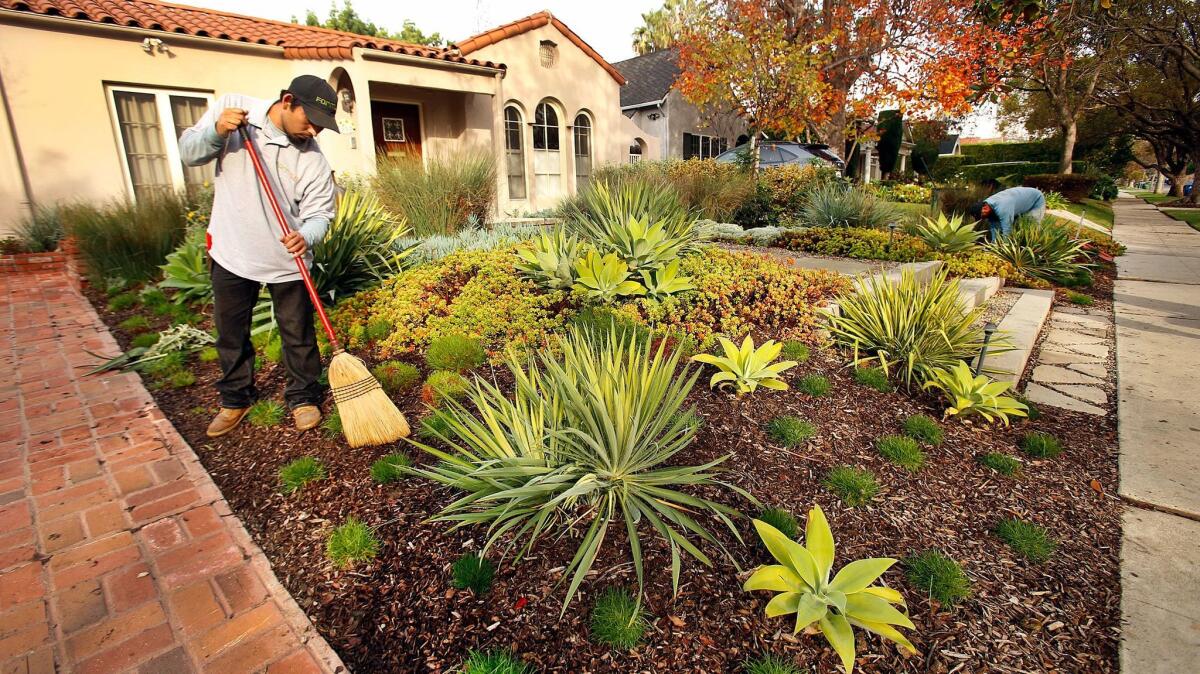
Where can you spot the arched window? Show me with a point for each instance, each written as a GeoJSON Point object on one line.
{"type": "Point", "coordinates": [547, 164]}
{"type": "Point", "coordinates": [514, 152]}
{"type": "Point", "coordinates": [636, 149]}
{"type": "Point", "coordinates": [582, 135]}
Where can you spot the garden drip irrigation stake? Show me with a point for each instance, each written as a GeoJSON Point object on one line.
{"type": "Point", "coordinates": [369, 417]}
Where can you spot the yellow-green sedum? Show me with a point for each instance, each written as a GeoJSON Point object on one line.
{"type": "Point", "coordinates": [837, 606]}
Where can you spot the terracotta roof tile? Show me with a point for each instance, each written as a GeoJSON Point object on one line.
{"type": "Point", "coordinates": [297, 41]}
{"type": "Point", "coordinates": [525, 25]}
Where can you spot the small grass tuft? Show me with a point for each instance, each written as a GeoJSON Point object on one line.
{"type": "Point", "coordinates": [331, 425]}
{"type": "Point", "coordinates": [181, 379]}
{"type": "Point", "coordinates": [1080, 299]}
{"type": "Point", "coordinates": [769, 664]}
{"type": "Point", "coordinates": [902, 451]}
{"type": "Point", "coordinates": [388, 469]}
{"type": "Point", "coordinates": [122, 302]}
{"type": "Point", "coordinates": [378, 329]}
{"type": "Point", "coordinates": [165, 366]}
{"type": "Point", "coordinates": [1029, 540]}
{"type": "Point", "coordinates": [782, 520]}
{"type": "Point", "coordinates": [474, 573]}
{"type": "Point", "coordinates": [273, 351]}
{"type": "Point", "coordinates": [208, 354]}
{"type": "Point", "coordinates": [494, 662]}
{"type": "Point", "coordinates": [350, 543]}
{"type": "Point", "coordinates": [790, 431]}
{"type": "Point", "coordinates": [938, 576]}
{"type": "Point", "coordinates": [1033, 414]}
{"type": "Point", "coordinates": [854, 486]}
{"type": "Point", "coordinates": [432, 425]}
{"type": "Point", "coordinates": [135, 324]}
{"type": "Point", "coordinates": [1001, 463]}
{"type": "Point", "coordinates": [265, 413]}
{"type": "Point", "coordinates": [144, 340]}
{"type": "Point", "coordinates": [444, 384]}
{"type": "Point", "coordinates": [396, 376]}
{"type": "Point", "coordinates": [872, 377]}
{"type": "Point", "coordinates": [300, 472]}
{"type": "Point", "coordinates": [814, 385]}
{"type": "Point", "coordinates": [795, 350]}
{"type": "Point", "coordinates": [1041, 445]}
{"type": "Point", "coordinates": [456, 353]}
{"type": "Point", "coordinates": [617, 619]}
{"type": "Point", "coordinates": [923, 429]}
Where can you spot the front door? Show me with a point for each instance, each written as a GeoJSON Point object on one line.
{"type": "Point", "coordinates": [397, 129]}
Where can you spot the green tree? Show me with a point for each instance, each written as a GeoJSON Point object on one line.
{"type": "Point", "coordinates": [661, 28]}
{"type": "Point", "coordinates": [348, 20]}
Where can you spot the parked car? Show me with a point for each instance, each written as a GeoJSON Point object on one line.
{"type": "Point", "coordinates": [780, 152]}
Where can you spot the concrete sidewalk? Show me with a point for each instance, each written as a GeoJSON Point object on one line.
{"type": "Point", "coordinates": [1157, 311]}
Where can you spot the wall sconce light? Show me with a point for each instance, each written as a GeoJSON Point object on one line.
{"type": "Point", "coordinates": [152, 44]}
{"type": "Point", "coordinates": [654, 116]}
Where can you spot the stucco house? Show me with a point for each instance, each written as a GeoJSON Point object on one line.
{"type": "Point", "coordinates": [652, 102]}
{"type": "Point", "coordinates": [95, 95]}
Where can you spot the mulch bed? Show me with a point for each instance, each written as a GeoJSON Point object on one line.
{"type": "Point", "coordinates": [401, 614]}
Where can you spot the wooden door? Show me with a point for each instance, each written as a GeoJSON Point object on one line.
{"type": "Point", "coordinates": [397, 129]}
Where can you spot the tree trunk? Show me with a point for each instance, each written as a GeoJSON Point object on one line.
{"type": "Point", "coordinates": [1069, 131]}
{"type": "Point", "coordinates": [835, 135]}
{"type": "Point", "coordinates": [1177, 181]}
{"type": "Point", "coordinates": [1194, 197]}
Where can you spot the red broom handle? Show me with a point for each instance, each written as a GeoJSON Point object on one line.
{"type": "Point", "coordinates": [283, 225]}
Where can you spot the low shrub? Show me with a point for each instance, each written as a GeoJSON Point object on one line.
{"type": "Point", "coordinates": [618, 619]}
{"type": "Point", "coordinates": [782, 520]}
{"type": "Point", "coordinates": [854, 486]}
{"type": "Point", "coordinates": [873, 377]}
{"type": "Point", "coordinates": [135, 324]}
{"type": "Point", "coordinates": [266, 413]}
{"type": "Point", "coordinates": [814, 385]}
{"type": "Point", "coordinates": [795, 350]}
{"type": "Point", "coordinates": [769, 664]}
{"type": "Point", "coordinates": [1105, 189]}
{"type": "Point", "coordinates": [981, 264]}
{"type": "Point", "coordinates": [494, 662]}
{"type": "Point", "coordinates": [859, 243]}
{"type": "Point", "coordinates": [923, 429]}
{"type": "Point", "coordinates": [438, 194]}
{"type": "Point", "coordinates": [1041, 445]}
{"type": "Point", "coordinates": [300, 472]}
{"type": "Point", "coordinates": [474, 573]}
{"type": "Point", "coordinates": [444, 385]}
{"type": "Point", "coordinates": [938, 576]}
{"type": "Point", "coordinates": [790, 431]}
{"type": "Point", "coordinates": [1097, 240]}
{"type": "Point", "coordinates": [958, 200]}
{"type": "Point", "coordinates": [1080, 299]}
{"type": "Point", "coordinates": [351, 543]}
{"type": "Point", "coordinates": [1001, 463]}
{"type": "Point", "coordinates": [1027, 539]}
{"type": "Point", "coordinates": [905, 193]}
{"type": "Point", "coordinates": [1073, 186]}
{"type": "Point", "coordinates": [396, 376]}
{"type": "Point", "coordinates": [390, 468]}
{"type": "Point", "coordinates": [902, 451]}
{"type": "Point", "coordinates": [786, 187]}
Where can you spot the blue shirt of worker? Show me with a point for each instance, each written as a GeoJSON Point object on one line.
{"type": "Point", "coordinates": [1010, 204]}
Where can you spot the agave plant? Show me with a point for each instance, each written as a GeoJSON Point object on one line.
{"type": "Point", "coordinates": [602, 210]}
{"type": "Point", "coordinates": [1042, 250]}
{"type": "Point", "coordinates": [836, 606]}
{"type": "Point", "coordinates": [969, 394]}
{"type": "Point", "coordinates": [909, 327]}
{"type": "Point", "coordinates": [642, 244]}
{"type": "Point", "coordinates": [604, 278]}
{"type": "Point", "coordinates": [947, 235]}
{"type": "Point", "coordinates": [585, 440]}
{"type": "Point", "coordinates": [186, 270]}
{"type": "Point", "coordinates": [549, 259]}
{"type": "Point", "coordinates": [747, 368]}
{"type": "Point", "coordinates": [665, 281]}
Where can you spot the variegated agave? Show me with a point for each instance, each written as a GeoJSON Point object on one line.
{"type": "Point", "coordinates": [837, 606]}
{"type": "Point", "coordinates": [548, 260]}
{"type": "Point", "coordinates": [747, 368]}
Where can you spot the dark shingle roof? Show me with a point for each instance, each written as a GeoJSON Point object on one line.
{"type": "Point", "coordinates": [648, 77]}
{"type": "Point", "coordinates": [946, 146]}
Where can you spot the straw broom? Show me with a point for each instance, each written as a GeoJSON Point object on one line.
{"type": "Point", "coordinates": [369, 417]}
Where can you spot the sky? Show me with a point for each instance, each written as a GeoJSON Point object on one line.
{"type": "Point", "coordinates": [606, 25]}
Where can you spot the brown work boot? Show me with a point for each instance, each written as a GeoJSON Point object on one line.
{"type": "Point", "coordinates": [306, 416]}
{"type": "Point", "coordinates": [226, 420]}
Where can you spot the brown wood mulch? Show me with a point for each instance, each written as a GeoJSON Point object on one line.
{"type": "Point", "coordinates": [400, 613]}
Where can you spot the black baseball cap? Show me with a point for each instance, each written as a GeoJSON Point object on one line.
{"type": "Point", "coordinates": [318, 100]}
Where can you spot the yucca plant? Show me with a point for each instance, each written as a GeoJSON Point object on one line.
{"type": "Point", "coordinates": [584, 439]}
{"type": "Point", "coordinates": [358, 249]}
{"type": "Point", "coordinates": [909, 328]}
{"type": "Point", "coordinates": [186, 269]}
{"type": "Point", "coordinates": [969, 394]}
{"type": "Point", "coordinates": [603, 208]}
{"type": "Point", "coordinates": [665, 281]}
{"type": "Point", "coordinates": [947, 235]}
{"type": "Point", "coordinates": [1041, 249]}
{"type": "Point", "coordinates": [834, 205]}
{"type": "Point", "coordinates": [836, 606]}
{"type": "Point", "coordinates": [746, 368]}
{"type": "Point", "coordinates": [604, 278]}
{"type": "Point", "coordinates": [548, 260]}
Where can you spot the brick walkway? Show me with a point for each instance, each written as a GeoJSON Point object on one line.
{"type": "Point", "coordinates": [117, 552]}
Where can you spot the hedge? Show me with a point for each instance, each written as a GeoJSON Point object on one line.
{"type": "Point", "coordinates": [993, 153]}
{"type": "Point", "coordinates": [946, 166]}
{"type": "Point", "coordinates": [981, 173]}
{"type": "Point", "coordinates": [1073, 186]}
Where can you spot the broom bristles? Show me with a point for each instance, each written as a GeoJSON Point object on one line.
{"type": "Point", "coordinates": [369, 417]}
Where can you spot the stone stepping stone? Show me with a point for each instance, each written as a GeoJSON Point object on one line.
{"type": "Point", "coordinates": [1043, 395]}
{"type": "Point", "coordinates": [1053, 357]}
{"type": "Point", "coordinates": [1081, 318]}
{"type": "Point", "coordinates": [1088, 393]}
{"type": "Point", "coordinates": [1071, 337]}
{"type": "Point", "coordinates": [1053, 374]}
{"type": "Point", "coordinates": [1094, 369]}
{"type": "Point", "coordinates": [1096, 350]}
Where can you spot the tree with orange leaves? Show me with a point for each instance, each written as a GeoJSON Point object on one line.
{"type": "Point", "coordinates": [795, 67]}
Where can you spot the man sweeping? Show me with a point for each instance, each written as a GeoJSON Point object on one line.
{"type": "Point", "coordinates": [244, 239]}
{"type": "Point", "coordinates": [1003, 208]}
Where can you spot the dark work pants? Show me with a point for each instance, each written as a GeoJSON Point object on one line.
{"type": "Point", "coordinates": [233, 306]}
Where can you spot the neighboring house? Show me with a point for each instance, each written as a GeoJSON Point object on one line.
{"type": "Point", "coordinates": [865, 165]}
{"type": "Point", "coordinates": [651, 100]}
{"type": "Point", "coordinates": [949, 145]}
{"type": "Point", "coordinates": [96, 93]}
{"type": "Point", "coordinates": [561, 112]}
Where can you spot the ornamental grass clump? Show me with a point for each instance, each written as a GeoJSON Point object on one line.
{"type": "Point", "coordinates": [1027, 539]}
{"type": "Point", "coordinates": [854, 486]}
{"type": "Point", "coordinates": [1001, 463]}
{"type": "Point", "coordinates": [300, 472]}
{"type": "Point", "coordinates": [585, 440]}
{"type": "Point", "coordinates": [910, 328]}
{"type": "Point", "coordinates": [873, 377]}
{"type": "Point", "coordinates": [331, 425]}
{"type": "Point", "coordinates": [795, 350]}
{"type": "Point", "coordinates": [834, 205]}
{"type": "Point", "coordinates": [837, 605]}
{"type": "Point", "coordinates": [455, 353]}
{"type": "Point", "coordinates": [923, 429]}
{"type": "Point", "coordinates": [1041, 445]}
{"type": "Point", "coordinates": [902, 451]}
{"type": "Point", "coordinates": [266, 413]}
{"type": "Point", "coordinates": [351, 543]}
{"type": "Point", "coordinates": [390, 468]}
{"type": "Point", "coordinates": [474, 573]}
{"type": "Point", "coordinates": [395, 376]}
{"type": "Point", "coordinates": [769, 664]}
{"type": "Point", "coordinates": [782, 520]}
{"type": "Point", "coordinates": [442, 386]}
{"type": "Point", "coordinates": [790, 431]}
{"type": "Point", "coordinates": [814, 385]}
{"type": "Point", "coordinates": [938, 576]}
{"type": "Point", "coordinates": [618, 619]}
{"type": "Point", "coordinates": [494, 662]}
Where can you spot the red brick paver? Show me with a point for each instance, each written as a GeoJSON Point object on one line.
{"type": "Point", "coordinates": [117, 551]}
